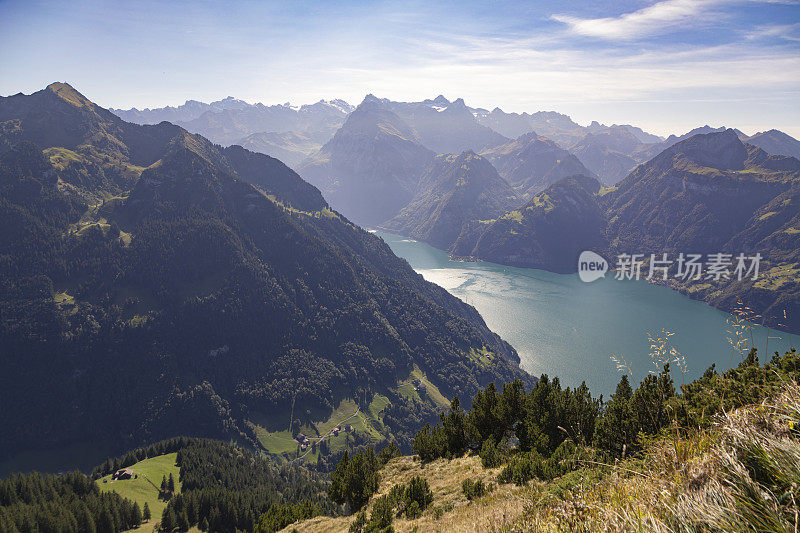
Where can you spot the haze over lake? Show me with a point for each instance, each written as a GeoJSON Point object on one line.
{"type": "Point", "coordinates": [566, 328]}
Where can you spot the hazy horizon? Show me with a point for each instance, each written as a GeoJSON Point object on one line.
{"type": "Point", "coordinates": [666, 66]}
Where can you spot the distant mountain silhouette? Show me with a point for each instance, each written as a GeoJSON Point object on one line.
{"type": "Point", "coordinates": [370, 169]}
{"type": "Point", "coordinates": [532, 163]}
{"type": "Point", "coordinates": [446, 127]}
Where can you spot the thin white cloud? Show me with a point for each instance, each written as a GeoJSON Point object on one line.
{"type": "Point", "coordinates": [787, 32]}
{"type": "Point", "coordinates": [651, 20]}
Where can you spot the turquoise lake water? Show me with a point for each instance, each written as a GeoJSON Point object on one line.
{"type": "Point", "coordinates": [566, 328]}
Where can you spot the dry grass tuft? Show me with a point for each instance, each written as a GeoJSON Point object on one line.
{"type": "Point", "coordinates": [741, 475]}
{"type": "Point", "coordinates": [450, 511]}
{"type": "Point", "coordinates": [744, 475]}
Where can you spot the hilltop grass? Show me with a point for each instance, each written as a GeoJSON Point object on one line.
{"type": "Point", "coordinates": [543, 201]}
{"type": "Point", "coordinates": [741, 474]}
{"type": "Point", "coordinates": [282, 441]}
{"type": "Point", "coordinates": [377, 405]}
{"type": "Point", "coordinates": [61, 157]}
{"type": "Point", "coordinates": [450, 511]}
{"type": "Point", "coordinates": [368, 422]}
{"type": "Point", "coordinates": [483, 356]}
{"type": "Point", "coordinates": [63, 299]}
{"type": "Point", "coordinates": [144, 489]}
{"type": "Point", "coordinates": [515, 215]}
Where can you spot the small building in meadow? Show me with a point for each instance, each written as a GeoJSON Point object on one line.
{"type": "Point", "coordinates": [124, 473]}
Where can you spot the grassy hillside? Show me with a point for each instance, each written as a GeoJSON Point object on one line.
{"type": "Point", "coordinates": [368, 426]}
{"type": "Point", "coordinates": [451, 510]}
{"type": "Point", "coordinates": [144, 488]}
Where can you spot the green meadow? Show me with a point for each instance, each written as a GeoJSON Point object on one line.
{"type": "Point", "coordinates": [144, 488]}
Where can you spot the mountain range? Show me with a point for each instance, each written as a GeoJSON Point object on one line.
{"type": "Point", "coordinates": [287, 132]}
{"type": "Point", "coordinates": [293, 133]}
{"type": "Point", "coordinates": [153, 283]}
{"type": "Point", "coordinates": [529, 202]}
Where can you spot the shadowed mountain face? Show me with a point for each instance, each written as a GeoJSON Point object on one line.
{"type": "Point", "coordinates": [156, 284]}
{"type": "Point", "coordinates": [371, 167]}
{"type": "Point", "coordinates": [698, 194]}
{"type": "Point", "coordinates": [531, 163]}
{"type": "Point", "coordinates": [456, 193]}
{"type": "Point", "coordinates": [549, 232]}
{"type": "Point", "coordinates": [712, 193]}
{"type": "Point", "coordinates": [707, 194]}
{"type": "Point", "coordinates": [610, 154]}
{"type": "Point", "coordinates": [613, 152]}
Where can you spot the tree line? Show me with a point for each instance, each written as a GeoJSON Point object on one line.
{"type": "Point", "coordinates": [548, 430]}
{"type": "Point", "coordinates": [67, 503]}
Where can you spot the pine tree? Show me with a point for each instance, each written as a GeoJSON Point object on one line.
{"type": "Point", "coordinates": [85, 520]}
{"type": "Point", "coordinates": [168, 519]}
{"type": "Point", "coordinates": [146, 512]}
{"type": "Point", "coordinates": [182, 522]}
{"type": "Point", "coordinates": [136, 514]}
{"type": "Point", "coordinates": [617, 428]}
{"type": "Point", "coordinates": [171, 483]}
{"type": "Point", "coordinates": [106, 522]}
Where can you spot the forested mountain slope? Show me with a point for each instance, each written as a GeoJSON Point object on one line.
{"type": "Point", "coordinates": [456, 193]}
{"type": "Point", "coordinates": [154, 284]}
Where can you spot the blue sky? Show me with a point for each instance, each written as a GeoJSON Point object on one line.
{"type": "Point", "coordinates": [666, 66]}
